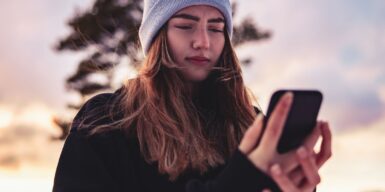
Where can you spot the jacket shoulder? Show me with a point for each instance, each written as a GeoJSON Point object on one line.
{"type": "Point", "coordinates": [96, 111]}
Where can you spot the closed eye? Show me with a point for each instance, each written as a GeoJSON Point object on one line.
{"type": "Point", "coordinates": [216, 30]}
{"type": "Point", "coordinates": [184, 27]}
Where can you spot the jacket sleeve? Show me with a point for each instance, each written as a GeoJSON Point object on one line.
{"type": "Point", "coordinates": [239, 175]}
{"type": "Point", "coordinates": [80, 168]}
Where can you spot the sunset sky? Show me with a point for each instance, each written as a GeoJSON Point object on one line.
{"type": "Point", "coordinates": [336, 46]}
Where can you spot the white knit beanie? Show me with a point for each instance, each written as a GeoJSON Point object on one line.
{"type": "Point", "coordinates": [157, 12]}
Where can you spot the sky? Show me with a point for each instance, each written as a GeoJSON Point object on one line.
{"type": "Point", "coordinates": [336, 46]}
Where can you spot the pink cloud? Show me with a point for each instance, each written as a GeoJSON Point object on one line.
{"type": "Point", "coordinates": [305, 52]}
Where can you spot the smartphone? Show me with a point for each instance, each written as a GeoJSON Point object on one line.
{"type": "Point", "coordinates": [301, 119]}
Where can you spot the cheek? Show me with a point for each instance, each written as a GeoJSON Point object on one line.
{"type": "Point", "coordinates": [176, 43]}
{"type": "Point", "coordinates": [173, 45]}
{"type": "Point", "coordinates": [176, 38]}
{"type": "Point", "coordinates": [218, 45]}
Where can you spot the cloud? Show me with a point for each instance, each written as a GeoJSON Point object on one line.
{"type": "Point", "coordinates": [381, 93]}
{"type": "Point", "coordinates": [334, 46]}
{"type": "Point", "coordinates": [357, 161]}
{"type": "Point", "coordinates": [36, 116]}
{"type": "Point", "coordinates": [6, 117]}
{"type": "Point", "coordinates": [32, 27]}
{"type": "Point", "coordinates": [25, 142]}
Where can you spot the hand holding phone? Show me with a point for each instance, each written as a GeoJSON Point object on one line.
{"type": "Point", "coordinates": [301, 120]}
{"type": "Point", "coordinates": [260, 142]}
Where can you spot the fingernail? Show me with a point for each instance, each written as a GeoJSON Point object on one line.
{"type": "Point", "coordinates": [302, 153]}
{"type": "Point", "coordinates": [276, 170]}
{"type": "Point", "coordinates": [289, 98]}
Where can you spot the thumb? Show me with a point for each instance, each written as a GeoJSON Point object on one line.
{"type": "Point", "coordinates": [251, 136]}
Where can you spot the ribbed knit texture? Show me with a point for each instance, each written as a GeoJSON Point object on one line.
{"type": "Point", "coordinates": [157, 12]}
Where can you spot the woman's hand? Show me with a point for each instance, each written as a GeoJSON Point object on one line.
{"type": "Point", "coordinates": [310, 160]}
{"type": "Point", "coordinates": [294, 172]}
{"type": "Point", "coordinates": [265, 154]}
{"type": "Point", "coordinates": [305, 177]}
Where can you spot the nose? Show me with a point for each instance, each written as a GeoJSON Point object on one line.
{"type": "Point", "coordinates": [201, 39]}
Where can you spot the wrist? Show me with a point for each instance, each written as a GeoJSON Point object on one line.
{"type": "Point", "coordinates": [261, 164]}
{"type": "Point", "coordinates": [258, 161]}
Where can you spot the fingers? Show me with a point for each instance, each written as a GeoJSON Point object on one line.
{"type": "Point", "coordinates": [296, 176]}
{"type": "Point", "coordinates": [276, 122]}
{"type": "Point", "coordinates": [308, 166]}
{"type": "Point", "coordinates": [251, 136]}
{"type": "Point", "coordinates": [304, 178]}
{"type": "Point", "coordinates": [282, 180]}
{"type": "Point", "coordinates": [326, 145]}
{"type": "Point", "coordinates": [288, 161]}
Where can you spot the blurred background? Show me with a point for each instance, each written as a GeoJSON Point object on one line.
{"type": "Point", "coordinates": [54, 55]}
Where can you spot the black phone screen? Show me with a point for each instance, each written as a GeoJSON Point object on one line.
{"type": "Point", "coordinates": [301, 119]}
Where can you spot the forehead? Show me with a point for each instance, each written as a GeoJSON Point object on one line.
{"type": "Point", "coordinates": [201, 11]}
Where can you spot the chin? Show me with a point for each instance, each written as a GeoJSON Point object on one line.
{"type": "Point", "coordinates": [196, 80]}
{"type": "Point", "coordinates": [196, 77]}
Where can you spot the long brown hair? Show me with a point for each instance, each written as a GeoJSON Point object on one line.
{"type": "Point", "coordinates": [176, 130]}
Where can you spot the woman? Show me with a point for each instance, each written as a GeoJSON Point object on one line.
{"type": "Point", "coordinates": [186, 123]}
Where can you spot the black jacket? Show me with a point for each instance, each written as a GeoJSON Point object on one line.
{"type": "Point", "coordinates": [112, 162]}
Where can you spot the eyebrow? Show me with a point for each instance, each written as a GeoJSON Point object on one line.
{"type": "Point", "coordinates": [195, 18]}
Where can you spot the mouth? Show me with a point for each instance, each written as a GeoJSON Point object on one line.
{"type": "Point", "coordinates": [198, 60]}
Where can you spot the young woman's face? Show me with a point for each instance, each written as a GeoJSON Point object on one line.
{"type": "Point", "coordinates": [195, 36]}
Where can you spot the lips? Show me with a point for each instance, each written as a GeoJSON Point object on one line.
{"type": "Point", "coordinates": [198, 60]}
